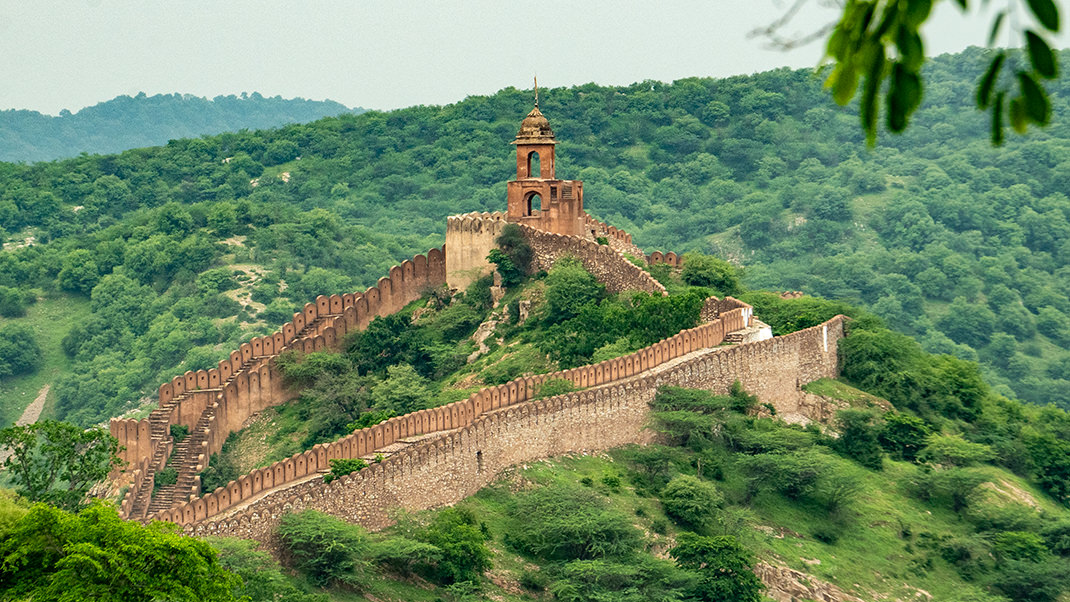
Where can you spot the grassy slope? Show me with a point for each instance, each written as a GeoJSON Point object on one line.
{"type": "Point", "coordinates": [882, 554]}
{"type": "Point", "coordinates": [871, 559]}
{"type": "Point", "coordinates": [51, 318]}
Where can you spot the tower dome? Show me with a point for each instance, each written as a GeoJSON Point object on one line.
{"type": "Point", "coordinates": [535, 128]}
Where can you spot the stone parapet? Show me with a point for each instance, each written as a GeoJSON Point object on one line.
{"type": "Point", "coordinates": [479, 443]}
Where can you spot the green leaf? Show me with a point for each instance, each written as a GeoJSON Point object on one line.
{"type": "Point", "coordinates": [988, 82]}
{"type": "Point", "coordinates": [1036, 103]}
{"type": "Point", "coordinates": [904, 96]}
{"type": "Point", "coordinates": [1040, 55]}
{"type": "Point", "coordinates": [868, 104]}
{"type": "Point", "coordinates": [916, 13]}
{"type": "Point", "coordinates": [995, 27]}
{"type": "Point", "coordinates": [911, 51]}
{"type": "Point", "coordinates": [1018, 119]}
{"type": "Point", "coordinates": [843, 81]}
{"type": "Point", "coordinates": [997, 120]}
{"type": "Point", "coordinates": [1046, 12]}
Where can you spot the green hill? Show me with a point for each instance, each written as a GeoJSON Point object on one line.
{"type": "Point", "coordinates": [188, 248]}
{"type": "Point", "coordinates": [126, 122]}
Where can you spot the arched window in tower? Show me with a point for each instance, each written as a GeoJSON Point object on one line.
{"type": "Point", "coordinates": [533, 204]}
{"type": "Point", "coordinates": [534, 168]}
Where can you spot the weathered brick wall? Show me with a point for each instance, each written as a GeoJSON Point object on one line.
{"type": "Point", "coordinates": [249, 381]}
{"type": "Point", "coordinates": [445, 469]}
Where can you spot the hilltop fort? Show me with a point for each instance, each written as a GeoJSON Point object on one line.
{"type": "Point", "coordinates": [438, 456]}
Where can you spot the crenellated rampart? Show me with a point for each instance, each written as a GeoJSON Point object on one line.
{"type": "Point", "coordinates": [364, 441]}
{"type": "Point", "coordinates": [503, 426]}
{"type": "Point", "coordinates": [213, 403]}
{"type": "Point", "coordinates": [620, 240]}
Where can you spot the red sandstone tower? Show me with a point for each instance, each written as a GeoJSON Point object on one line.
{"type": "Point", "coordinates": [538, 199]}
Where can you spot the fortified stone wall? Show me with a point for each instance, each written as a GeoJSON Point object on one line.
{"type": "Point", "coordinates": [216, 402]}
{"type": "Point", "coordinates": [363, 441]}
{"type": "Point", "coordinates": [670, 258]}
{"type": "Point", "coordinates": [469, 238]}
{"type": "Point", "coordinates": [618, 239]}
{"type": "Point", "coordinates": [608, 265]}
{"type": "Point", "coordinates": [486, 440]}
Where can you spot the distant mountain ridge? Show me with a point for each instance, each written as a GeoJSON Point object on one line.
{"type": "Point", "coordinates": [126, 122]}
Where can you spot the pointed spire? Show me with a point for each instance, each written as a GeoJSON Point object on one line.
{"type": "Point", "coordinates": [536, 91]}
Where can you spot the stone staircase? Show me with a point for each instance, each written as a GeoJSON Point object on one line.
{"type": "Point", "coordinates": [184, 454]}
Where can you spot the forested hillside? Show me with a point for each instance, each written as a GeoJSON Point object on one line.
{"type": "Point", "coordinates": [186, 249]}
{"type": "Point", "coordinates": [126, 122]}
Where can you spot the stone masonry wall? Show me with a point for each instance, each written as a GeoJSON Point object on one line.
{"type": "Point", "coordinates": [455, 415]}
{"type": "Point", "coordinates": [445, 469]}
{"type": "Point", "coordinates": [469, 238]}
{"type": "Point", "coordinates": [607, 264]}
{"type": "Point", "coordinates": [215, 402]}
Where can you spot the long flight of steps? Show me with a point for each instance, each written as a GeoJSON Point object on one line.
{"type": "Point", "coordinates": [183, 458]}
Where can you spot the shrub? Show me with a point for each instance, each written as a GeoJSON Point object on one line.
{"type": "Point", "coordinates": [570, 287]}
{"type": "Point", "coordinates": [858, 438]}
{"type": "Point", "coordinates": [19, 351]}
{"type": "Point", "coordinates": [305, 368]}
{"type": "Point", "coordinates": [793, 475]}
{"type": "Point", "coordinates": [325, 549]}
{"type": "Point", "coordinates": [165, 477]}
{"type": "Point", "coordinates": [902, 435]}
{"type": "Point", "coordinates": [957, 488]}
{"type": "Point", "coordinates": [564, 523]}
{"type": "Point", "coordinates": [711, 272]}
{"type": "Point", "coordinates": [612, 481]}
{"type": "Point", "coordinates": [369, 419]}
{"type": "Point", "coordinates": [13, 302]}
{"type": "Point", "coordinates": [533, 580]}
{"type": "Point", "coordinates": [461, 541]}
{"type": "Point", "coordinates": [724, 567]}
{"type": "Point", "coordinates": [402, 391]}
{"type": "Point", "coordinates": [1027, 581]}
{"type": "Point", "coordinates": [691, 501]}
{"type": "Point", "coordinates": [340, 467]}
{"type": "Point", "coordinates": [953, 450]}
{"type": "Point", "coordinates": [478, 293]}
{"type": "Point", "coordinates": [1019, 545]}
{"type": "Point", "coordinates": [404, 556]}
{"type": "Point", "coordinates": [179, 432]}
{"type": "Point", "coordinates": [554, 386]}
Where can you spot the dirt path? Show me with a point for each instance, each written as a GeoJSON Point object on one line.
{"type": "Point", "coordinates": [33, 411]}
{"type": "Point", "coordinates": [29, 415]}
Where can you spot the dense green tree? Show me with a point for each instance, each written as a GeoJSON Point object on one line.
{"type": "Point", "coordinates": [57, 462]}
{"type": "Point", "coordinates": [724, 566]}
{"type": "Point", "coordinates": [691, 501]}
{"type": "Point", "coordinates": [858, 438]}
{"type": "Point", "coordinates": [711, 272]}
{"type": "Point", "coordinates": [324, 548]}
{"type": "Point", "coordinates": [50, 554]}
{"type": "Point", "coordinates": [19, 351]}
{"type": "Point", "coordinates": [570, 288]}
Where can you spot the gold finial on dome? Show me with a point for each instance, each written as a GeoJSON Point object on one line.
{"type": "Point", "coordinates": [536, 127]}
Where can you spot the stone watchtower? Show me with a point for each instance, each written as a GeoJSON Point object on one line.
{"type": "Point", "coordinates": [536, 198]}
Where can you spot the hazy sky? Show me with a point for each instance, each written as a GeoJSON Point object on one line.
{"type": "Point", "coordinates": [388, 54]}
